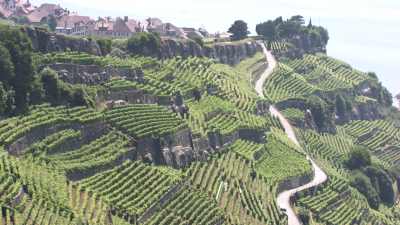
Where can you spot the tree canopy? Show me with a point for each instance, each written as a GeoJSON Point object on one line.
{"type": "Point", "coordinates": [310, 36]}
{"type": "Point", "coordinates": [144, 43]}
{"type": "Point", "coordinates": [239, 30]}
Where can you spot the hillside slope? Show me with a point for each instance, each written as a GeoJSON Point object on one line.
{"type": "Point", "coordinates": [93, 139]}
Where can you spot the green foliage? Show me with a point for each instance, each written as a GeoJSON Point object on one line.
{"type": "Point", "coordinates": [141, 120]}
{"type": "Point", "coordinates": [320, 112]}
{"type": "Point", "coordinates": [359, 157]}
{"type": "Point", "coordinates": [144, 44]}
{"type": "Point", "coordinates": [20, 53]}
{"type": "Point", "coordinates": [58, 92]}
{"type": "Point", "coordinates": [382, 184]}
{"type": "Point", "coordinates": [309, 37]}
{"type": "Point", "coordinates": [105, 46]}
{"type": "Point", "coordinates": [304, 215]}
{"type": "Point", "coordinates": [52, 22]}
{"type": "Point", "coordinates": [363, 184]}
{"type": "Point", "coordinates": [7, 70]}
{"type": "Point", "coordinates": [238, 30]}
{"type": "Point", "coordinates": [282, 159]}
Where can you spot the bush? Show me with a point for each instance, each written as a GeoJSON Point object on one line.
{"type": "Point", "coordinates": [142, 43]}
{"type": "Point", "coordinates": [358, 158]}
{"type": "Point", "coordinates": [58, 92]}
{"type": "Point", "coordinates": [105, 46]}
{"type": "Point", "coordinates": [382, 183]}
{"type": "Point", "coordinates": [239, 30]}
{"type": "Point", "coordinates": [364, 186]}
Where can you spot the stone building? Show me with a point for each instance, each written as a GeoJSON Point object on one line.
{"type": "Point", "coordinates": [73, 25]}
{"type": "Point", "coordinates": [15, 7]}
{"type": "Point", "coordinates": [41, 13]}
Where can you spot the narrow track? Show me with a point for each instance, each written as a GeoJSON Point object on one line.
{"type": "Point", "coordinates": [320, 176]}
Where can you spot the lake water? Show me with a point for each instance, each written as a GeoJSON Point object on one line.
{"type": "Point", "coordinates": [368, 46]}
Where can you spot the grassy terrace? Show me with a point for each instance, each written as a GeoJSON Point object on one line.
{"type": "Point", "coordinates": [132, 187]}
{"type": "Point", "coordinates": [228, 179]}
{"type": "Point", "coordinates": [143, 120]}
{"type": "Point", "coordinates": [44, 115]}
{"type": "Point", "coordinates": [302, 77]}
{"type": "Point", "coordinates": [281, 159]}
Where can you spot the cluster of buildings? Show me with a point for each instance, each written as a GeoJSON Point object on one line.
{"type": "Point", "coordinates": [74, 24]}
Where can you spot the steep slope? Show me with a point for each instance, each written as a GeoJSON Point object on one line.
{"type": "Point", "coordinates": [320, 177]}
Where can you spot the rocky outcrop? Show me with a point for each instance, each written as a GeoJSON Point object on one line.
{"type": "Point", "coordinates": [44, 41]}
{"type": "Point", "coordinates": [293, 182]}
{"type": "Point", "coordinates": [228, 53]}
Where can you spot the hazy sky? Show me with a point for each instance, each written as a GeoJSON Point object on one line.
{"type": "Point", "coordinates": [365, 33]}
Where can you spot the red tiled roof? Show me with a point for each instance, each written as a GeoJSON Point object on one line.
{"type": "Point", "coordinates": [70, 21]}
{"type": "Point", "coordinates": [43, 11]}
{"type": "Point", "coordinates": [132, 25]}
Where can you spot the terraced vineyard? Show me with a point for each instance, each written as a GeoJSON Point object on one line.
{"type": "Point", "coordinates": [188, 207]}
{"type": "Point", "coordinates": [131, 187]}
{"type": "Point", "coordinates": [374, 134]}
{"type": "Point", "coordinates": [216, 157]}
{"type": "Point", "coordinates": [144, 120]}
{"type": "Point", "coordinates": [281, 159]}
{"type": "Point", "coordinates": [212, 113]}
{"type": "Point", "coordinates": [284, 83]}
{"type": "Point", "coordinates": [228, 179]}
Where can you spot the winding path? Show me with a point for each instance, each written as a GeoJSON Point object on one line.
{"type": "Point", "coordinates": [320, 177]}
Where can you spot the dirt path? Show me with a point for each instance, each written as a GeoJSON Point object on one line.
{"type": "Point", "coordinates": [320, 177]}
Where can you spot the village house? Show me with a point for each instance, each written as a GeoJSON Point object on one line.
{"type": "Point", "coordinates": [192, 33]}
{"type": "Point", "coordinates": [74, 25]}
{"type": "Point", "coordinates": [10, 8]}
{"type": "Point", "coordinates": [40, 14]}
{"type": "Point", "coordinates": [164, 29]}
{"type": "Point", "coordinates": [107, 27]}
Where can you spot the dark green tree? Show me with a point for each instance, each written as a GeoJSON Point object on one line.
{"type": "Point", "coordinates": [52, 22]}
{"type": "Point", "coordinates": [341, 108]}
{"type": "Point", "coordinates": [267, 29]}
{"type": "Point", "coordinates": [37, 94]}
{"type": "Point", "coordinates": [6, 66]}
{"type": "Point", "coordinates": [239, 30]}
{"type": "Point", "coordinates": [105, 46]}
{"type": "Point", "coordinates": [51, 85]}
{"type": "Point", "coordinates": [364, 186]}
{"type": "Point", "coordinates": [20, 49]}
{"type": "Point", "coordinates": [359, 157]}
{"type": "Point", "coordinates": [144, 43]}
{"type": "Point", "coordinates": [382, 183]}
{"type": "Point", "coordinates": [298, 19]}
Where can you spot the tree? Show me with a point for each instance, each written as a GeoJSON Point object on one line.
{"type": "Point", "coordinates": [3, 99]}
{"type": "Point", "coordinates": [340, 106]}
{"type": "Point", "coordinates": [298, 19]}
{"type": "Point", "coordinates": [382, 183]}
{"type": "Point", "coordinates": [358, 158]}
{"type": "Point", "coordinates": [267, 29]}
{"type": "Point", "coordinates": [144, 43]}
{"type": "Point", "coordinates": [364, 186]}
{"type": "Point", "coordinates": [20, 48]}
{"type": "Point", "coordinates": [105, 46]}
{"type": "Point", "coordinates": [6, 66]}
{"type": "Point", "coordinates": [320, 112]}
{"type": "Point", "coordinates": [239, 30]}
{"type": "Point", "coordinates": [52, 22]}
{"type": "Point", "coordinates": [37, 94]}
{"type": "Point", "coordinates": [51, 86]}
